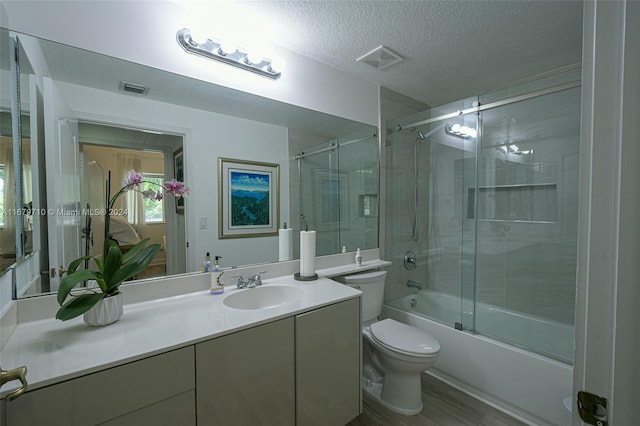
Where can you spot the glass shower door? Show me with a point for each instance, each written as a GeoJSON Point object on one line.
{"type": "Point", "coordinates": [320, 189]}
{"type": "Point", "coordinates": [359, 180]}
{"type": "Point", "coordinates": [431, 163]}
{"type": "Point", "coordinates": [526, 213]}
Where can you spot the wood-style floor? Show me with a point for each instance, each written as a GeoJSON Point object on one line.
{"type": "Point", "coordinates": [443, 406]}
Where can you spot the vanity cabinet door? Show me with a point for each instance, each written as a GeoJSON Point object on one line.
{"type": "Point", "coordinates": [143, 390]}
{"type": "Point", "coordinates": [247, 377]}
{"type": "Point", "coordinates": [328, 365]}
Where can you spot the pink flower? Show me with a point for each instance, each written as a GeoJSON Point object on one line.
{"type": "Point", "coordinates": [185, 191]}
{"type": "Point", "coordinates": [176, 188]}
{"type": "Point", "coordinates": [133, 179]}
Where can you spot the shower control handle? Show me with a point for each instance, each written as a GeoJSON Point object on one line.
{"type": "Point", "coordinates": [410, 260]}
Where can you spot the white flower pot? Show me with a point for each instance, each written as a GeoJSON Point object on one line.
{"type": "Point", "coordinates": [105, 312]}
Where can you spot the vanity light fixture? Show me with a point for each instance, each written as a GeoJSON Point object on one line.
{"type": "Point", "coordinates": [220, 51]}
{"type": "Point", "coordinates": [459, 131]}
{"type": "Point", "coordinates": [512, 148]}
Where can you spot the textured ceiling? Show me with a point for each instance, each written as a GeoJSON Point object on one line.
{"type": "Point", "coordinates": [452, 49]}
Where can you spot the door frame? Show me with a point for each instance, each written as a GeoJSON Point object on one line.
{"type": "Point", "coordinates": [608, 272]}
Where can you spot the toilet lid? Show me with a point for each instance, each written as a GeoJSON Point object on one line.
{"type": "Point", "coordinates": [404, 337]}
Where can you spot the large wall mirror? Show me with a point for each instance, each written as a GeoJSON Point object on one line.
{"type": "Point", "coordinates": [96, 115]}
{"type": "Point", "coordinates": [17, 120]}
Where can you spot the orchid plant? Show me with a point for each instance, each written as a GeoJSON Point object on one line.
{"type": "Point", "coordinates": [113, 267]}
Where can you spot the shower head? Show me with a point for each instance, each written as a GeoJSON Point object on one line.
{"type": "Point", "coordinates": [418, 133]}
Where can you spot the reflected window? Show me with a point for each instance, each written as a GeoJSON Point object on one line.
{"type": "Point", "coordinates": [153, 210]}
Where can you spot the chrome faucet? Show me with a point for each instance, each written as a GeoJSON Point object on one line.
{"type": "Point", "coordinates": [411, 283]}
{"type": "Point", "coordinates": [251, 281]}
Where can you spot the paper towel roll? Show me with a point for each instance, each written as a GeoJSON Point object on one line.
{"type": "Point", "coordinates": [285, 244]}
{"type": "Point", "coordinates": [307, 253]}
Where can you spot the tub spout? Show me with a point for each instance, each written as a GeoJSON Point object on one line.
{"type": "Point", "coordinates": [414, 284]}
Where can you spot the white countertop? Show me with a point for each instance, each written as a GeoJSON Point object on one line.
{"type": "Point", "coordinates": [54, 351]}
{"type": "Point", "coordinates": [352, 268]}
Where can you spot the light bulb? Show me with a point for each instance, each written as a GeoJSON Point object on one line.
{"type": "Point", "coordinates": [277, 66]}
{"type": "Point", "coordinates": [254, 58]}
{"type": "Point", "coordinates": [198, 36]}
{"type": "Point", "coordinates": [226, 48]}
{"type": "Point", "coordinates": [456, 128]}
{"type": "Point", "coordinates": [468, 131]}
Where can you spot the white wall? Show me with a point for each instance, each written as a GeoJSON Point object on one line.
{"type": "Point", "coordinates": [145, 33]}
{"type": "Point", "coordinates": [207, 137]}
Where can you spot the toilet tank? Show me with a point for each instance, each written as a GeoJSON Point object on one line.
{"type": "Point", "coordinates": [372, 286]}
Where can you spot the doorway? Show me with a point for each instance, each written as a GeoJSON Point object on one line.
{"type": "Point", "coordinates": [109, 150]}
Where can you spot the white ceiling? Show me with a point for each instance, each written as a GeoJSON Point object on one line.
{"type": "Point", "coordinates": [452, 49]}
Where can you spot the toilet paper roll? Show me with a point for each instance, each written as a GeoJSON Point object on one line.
{"type": "Point", "coordinates": [307, 253]}
{"type": "Point", "coordinates": [285, 244]}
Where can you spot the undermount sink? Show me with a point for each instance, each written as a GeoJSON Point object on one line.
{"type": "Point", "coordinates": [263, 297]}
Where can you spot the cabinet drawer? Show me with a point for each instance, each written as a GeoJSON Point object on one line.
{"type": "Point", "coordinates": [105, 395]}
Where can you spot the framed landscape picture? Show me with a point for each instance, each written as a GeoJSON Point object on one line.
{"type": "Point", "coordinates": [248, 198]}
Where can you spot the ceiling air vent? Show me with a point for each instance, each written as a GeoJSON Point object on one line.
{"type": "Point", "coordinates": [380, 58]}
{"type": "Point", "coordinates": [133, 88]}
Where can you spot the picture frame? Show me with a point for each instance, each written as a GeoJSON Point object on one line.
{"type": "Point", "coordinates": [178, 173]}
{"type": "Point", "coordinates": [248, 198]}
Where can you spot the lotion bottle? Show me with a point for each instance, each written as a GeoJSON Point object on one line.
{"type": "Point", "coordinates": [358, 257]}
{"type": "Point", "coordinates": [206, 263]}
{"type": "Point", "coordinates": [217, 281]}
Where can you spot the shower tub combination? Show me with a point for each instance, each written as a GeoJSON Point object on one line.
{"type": "Point", "coordinates": [485, 190]}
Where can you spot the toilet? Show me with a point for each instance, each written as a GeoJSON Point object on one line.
{"type": "Point", "coordinates": [395, 354]}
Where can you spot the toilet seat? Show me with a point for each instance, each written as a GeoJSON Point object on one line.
{"type": "Point", "coordinates": [403, 338]}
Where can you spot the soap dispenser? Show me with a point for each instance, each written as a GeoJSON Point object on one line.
{"type": "Point", "coordinates": [206, 264]}
{"type": "Point", "coordinates": [358, 257]}
{"type": "Point", "coordinates": [217, 281]}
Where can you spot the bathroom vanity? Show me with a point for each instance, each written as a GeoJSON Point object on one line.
{"type": "Point", "coordinates": [192, 359]}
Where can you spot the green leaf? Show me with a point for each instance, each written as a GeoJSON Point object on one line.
{"type": "Point", "coordinates": [78, 305]}
{"type": "Point", "coordinates": [133, 251]}
{"type": "Point", "coordinates": [112, 263]}
{"type": "Point", "coordinates": [99, 263]}
{"type": "Point", "coordinates": [101, 283]}
{"type": "Point", "coordinates": [136, 265]}
{"type": "Point", "coordinates": [74, 265]}
{"type": "Point", "coordinates": [70, 281]}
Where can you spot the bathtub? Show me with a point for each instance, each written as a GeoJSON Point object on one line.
{"type": "Point", "coordinates": [526, 385]}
